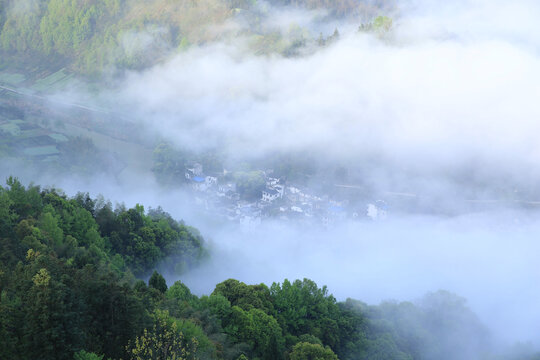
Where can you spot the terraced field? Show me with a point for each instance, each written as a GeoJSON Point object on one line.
{"type": "Point", "coordinates": [44, 131]}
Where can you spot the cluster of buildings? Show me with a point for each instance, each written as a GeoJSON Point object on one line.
{"type": "Point", "coordinates": [278, 200]}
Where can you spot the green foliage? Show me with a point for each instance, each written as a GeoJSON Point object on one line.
{"type": "Point", "coordinates": [168, 164]}
{"type": "Point", "coordinates": [308, 351]}
{"type": "Point", "coordinates": [382, 24]}
{"type": "Point", "coordinates": [157, 281]}
{"type": "Point", "coordinates": [67, 24]}
{"type": "Point", "coordinates": [258, 329]}
{"type": "Point", "coordinates": [91, 37]}
{"type": "Point", "coordinates": [63, 285]}
{"type": "Point", "coordinates": [250, 184]}
{"type": "Point", "coordinates": [7, 216]}
{"type": "Point", "coordinates": [218, 305]}
{"type": "Point", "coordinates": [144, 240]}
{"type": "Point", "coordinates": [162, 341]}
{"type": "Point", "coordinates": [303, 308]}
{"type": "Point", "coordinates": [181, 292]}
{"type": "Point", "coordinates": [245, 296]}
{"type": "Point", "coordinates": [83, 355]}
{"type": "Point", "coordinates": [440, 326]}
{"type": "Point", "coordinates": [190, 330]}
{"type": "Point", "coordinates": [66, 285]}
{"type": "Point", "coordinates": [25, 202]}
{"type": "Point", "coordinates": [48, 224]}
{"type": "Point", "coordinates": [308, 338]}
{"type": "Point", "coordinates": [265, 335]}
{"type": "Point", "coordinates": [20, 31]}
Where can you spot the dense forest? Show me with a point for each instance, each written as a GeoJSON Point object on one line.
{"type": "Point", "coordinates": [93, 37]}
{"type": "Point", "coordinates": [71, 287]}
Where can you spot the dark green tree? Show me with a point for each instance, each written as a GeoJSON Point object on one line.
{"type": "Point", "coordinates": [157, 281]}
{"type": "Point", "coordinates": [168, 165]}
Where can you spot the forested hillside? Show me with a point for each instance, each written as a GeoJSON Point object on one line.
{"type": "Point", "coordinates": [95, 36]}
{"type": "Point", "coordinates": [380, 147]}
{"type": "Point", "coordinates": [68, 289]}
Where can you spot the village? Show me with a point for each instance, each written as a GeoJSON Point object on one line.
{"type": "Point", "coordinates": [278, 200]}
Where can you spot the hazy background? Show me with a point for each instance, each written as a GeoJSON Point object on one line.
{"type": "Point", "coordinates": [490, 257]}
{"type": "Point", "coordinates": [444, 106]}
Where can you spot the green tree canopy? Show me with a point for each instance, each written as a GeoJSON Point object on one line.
{"type": "Point", "coordinates": [157, 281]}
{"type": "Point", "coordinates": [308, 351]}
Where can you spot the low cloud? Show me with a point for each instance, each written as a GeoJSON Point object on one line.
{"type": "Point", "coordinates": [488, 259]}
{"type": "Point", "coordinates": [453, 89]}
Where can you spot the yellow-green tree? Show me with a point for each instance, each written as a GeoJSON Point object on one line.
{"type": "Point", "coordinates": [308, 351]}
{"type": "Point", "coordinates": [162, 341]}
{"type": "Point", "coordinates": [382, 25]}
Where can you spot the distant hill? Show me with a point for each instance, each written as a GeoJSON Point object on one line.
{"type": "Point", "coordinates": [90, 37]}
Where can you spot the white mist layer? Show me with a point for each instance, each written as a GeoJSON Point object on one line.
{"type": "Point", "coordinates": [490, 259]}
{"type": "Point", "coordinates": [454, 85]}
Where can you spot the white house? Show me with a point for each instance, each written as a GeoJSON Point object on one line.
{"type": "Point", "coordinates": [377, 211]}
{"type": "Point", "coordinates": [297, 209]}
{"type": "Point", "coordinates": [210, 180]}
{"type": "Point", "coordinates": [272, 181]}
{"type": "Point", "coordinates": [198, 183]}
{"type": "Point", "coordinates": [279, 188]}
{"type": "Point", "coordinates": [270, 195]}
